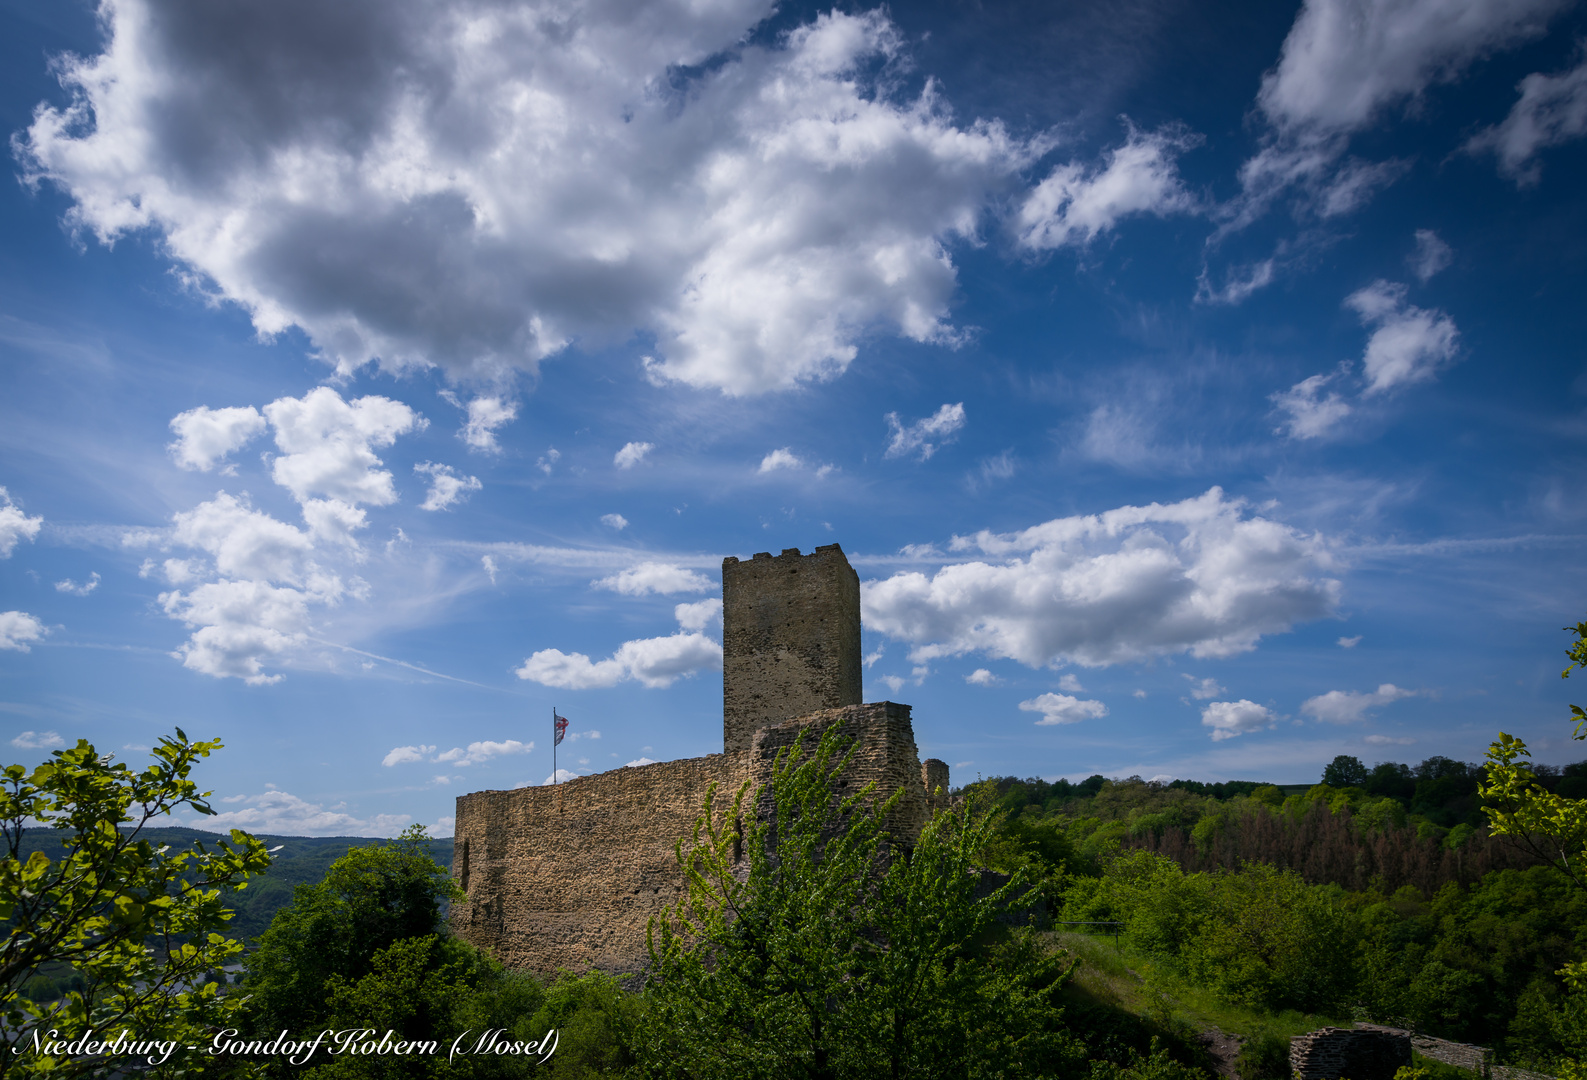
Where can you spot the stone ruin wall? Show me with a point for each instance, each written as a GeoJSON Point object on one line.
{"type": "Point", "coordinates": [569, 876]}
{"type": "Point", "coordinates": [1332, 1053]}
{"type": "Point", "coordinates": [1475, 1059]}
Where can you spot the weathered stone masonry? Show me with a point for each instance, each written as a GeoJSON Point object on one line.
{"type": "Point", "coordinates": [569, 876]}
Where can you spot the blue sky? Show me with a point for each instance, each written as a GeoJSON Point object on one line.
{"type": "Point", "coordinates": [1198, 390]}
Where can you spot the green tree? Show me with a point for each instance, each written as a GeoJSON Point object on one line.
{"type": "Point", "coordinates": [435, 989]}
{"type": "Point", "coordinates": [1550, 825]}
{"type": "Point", "coordinates": [372, 898]}
{"type": "Point", "coordinates": [140, 925]}
{"type": "Point", "coordinates": [832, 952]}
{"type": "Point", "coordinates": [1345, 771]}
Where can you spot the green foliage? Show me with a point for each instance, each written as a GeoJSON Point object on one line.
{"type": "Point", "coordinates": [1264, 1057]}
{"type": "Point", "coordinates": [596, 1023]}
{"type": "Point", "coordinates": [138, 924]}
{"type": "Point", "coordinates": [372, 898]}
{"type": "Point", "coordinates": [831, 952]}
{"type": "Point", "coordinates": [432, 989]}
{"type": "Point", "coordinates": [1258, 936]}
{"type": "Point", "coordinates": [1156, 1065]}
{"type": "Point", "coordinates": [1345, 771]}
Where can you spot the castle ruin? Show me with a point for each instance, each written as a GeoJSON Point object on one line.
{"type": "Point", "coordinates": [569, 876]}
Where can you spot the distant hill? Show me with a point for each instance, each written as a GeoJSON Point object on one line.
{"type": "Point", "coordinates": [302, 860]}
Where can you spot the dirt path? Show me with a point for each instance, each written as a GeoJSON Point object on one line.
{"type": "Point", "coordinates": [1223, 1048]}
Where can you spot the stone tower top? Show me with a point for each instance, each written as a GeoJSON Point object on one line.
{"type": "Point", "coordinates": [790, 639]}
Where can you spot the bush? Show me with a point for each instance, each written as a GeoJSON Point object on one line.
{"type": "Point", "coordinates": [1264, 1057]}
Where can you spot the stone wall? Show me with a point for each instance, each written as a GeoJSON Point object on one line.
{"type": "Point", "coordinates": [884, 753]}
{"type": "Point", "coordinates": [1476, 1059]}
{"type": "Point", "coordinates": [570, 876]}
{"type": "Point", "coordinates": [1332, 1053]}
{"type": "Point", "coordinates": [790, 639]}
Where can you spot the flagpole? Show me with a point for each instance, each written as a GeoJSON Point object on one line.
{"type": "Point", "coordinates": [553, 746]}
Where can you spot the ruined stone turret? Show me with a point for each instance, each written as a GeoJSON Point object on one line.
{"type": "Point", "coordinates": [790, 639]}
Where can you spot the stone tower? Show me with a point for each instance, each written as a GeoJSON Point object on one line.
{"type": "Point", "coordinates": [570, 876]}
{"type": "Point", "coordinates": [790, 639]}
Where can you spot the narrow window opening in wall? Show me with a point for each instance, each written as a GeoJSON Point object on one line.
{"type": "Point", "coordinates": [462, 866]}
{"type": "Point", "coordinates": [738, 838]}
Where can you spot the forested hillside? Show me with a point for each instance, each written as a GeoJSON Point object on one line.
{"type": "Point", "coordinates": [1378, 894]}
{"type": "Point", "coordinates": [297, 860]}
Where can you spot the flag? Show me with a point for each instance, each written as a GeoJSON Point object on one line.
{"type": "Point", "coordinates": [561, 724]}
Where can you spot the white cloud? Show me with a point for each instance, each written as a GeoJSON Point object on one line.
{"type": "Point", "coordinates": [485, 415]}
{"type": "Point", "coordinates": [1075, 204]}
{"type": "Point", "coordinates": [631, 454]}
{"type": "Point", "coordinates": [1071, 683]}
{"type": "Point", "coordinates": [1202, 689]}
{"type": "Point", "coordinates": [38, 740]}
{"type": "Point", "coordinates": [401, 755]}
{"type": "Point", "coordinates": [477, 753]}
{"type": "Point", "coordinates": [614, 521]}
{"type": "Point", "coordinates": [654, 662]}
{"type": "Point", "coordinates": [639, 761]}
{"type": "Point", "coordinates": [446, 486]}
{"type": "Point", "coordinates": [895, 683]}
{"type": "Point", "coordinates": [1201, 576]}
{"type": "Point", "coordinates": [1410, 344]}
{"type": "Point", "coordinates": [1350, 707]}
{"type": "Point", "coordinates": [780, 459]}
{"type": "Point", "coordinates": [654, 577]}
{"type": "Point", "coordinates": [238, 625]}
{"type": "Point", "coordinates": [562, 776]}
{"type": "Point", "coordinates": [1228, 719]}
{"type": "Point", "coordinates": [1138, 693]}
{"type": "Point", "coordinates": [697, 615]}
{"type": "Point", "coordinates": [942, 426]}
{"type": "Point", "coordinates": [334, 521]}
{"type": "Point", "coordinates": [244, 542]}
{"type": "Point", "coordinates": [1386, 740]}
{"type": "Point", "coordinates": [1064, 709]}
{"type": "Point", "coordinates": [72, 587]}
{"type": "Point", "coordinates": [1431, 256]}
{"type": "Point", "coordinates": [205, 435]}
{"type": "Point", "coordinates": [271, 572]}
{"type": "Point", "coordinates": [328, 445]}
{"type": "Point", "coordinates": [1354, 184]}
{"type": "Point", "coordinates": [474, 185]}
{"type": "Point", "coordinates": [18, 628]}
{"type": "Point", "coordinates": [286, 814]}
{"type": "Point", "coordinates": [1345, 63]}
{"type": "Point", "coordinates": [1552, 110]}
{"type": "Point", "coordinates": [1239, 286]}
{"type": "Point", "coordinates": [489, 566]}
{"type": "Point", "coordinates": [982, 677]}
{"type": "Point", "coordinates": [1314, 409]}
{"type": "Point", "coordinates": [546, 462]}
{"type": "Point", "coordinates": [1349, 642]}
{"type": "Point", "coordinates": [15, 525]}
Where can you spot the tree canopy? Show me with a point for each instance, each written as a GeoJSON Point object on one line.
{"type": "Point", "coordinates": [372, 898]}
{"type": "Point", "coordinates": [140, 925]}
{"type": "Point", "coordinates": [831, 950]}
